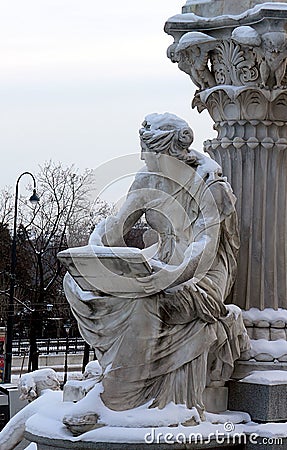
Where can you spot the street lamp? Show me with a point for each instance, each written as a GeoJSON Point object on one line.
{"type": "Point", "coordinates": [67, 327]}
{"type": "Point", "coordinates": [10, 319]}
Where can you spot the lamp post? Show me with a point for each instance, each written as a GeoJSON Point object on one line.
{"type": "Point", "coordinates": [67, 327]}
{"type": "Point", "coordinates": [34, 199]}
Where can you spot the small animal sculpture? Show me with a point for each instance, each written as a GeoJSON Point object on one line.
{"type": "Point", "coordinates": [36, 387]}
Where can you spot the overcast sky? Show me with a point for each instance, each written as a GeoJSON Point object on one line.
{"type": "Point", "coordinates": [77, 78]}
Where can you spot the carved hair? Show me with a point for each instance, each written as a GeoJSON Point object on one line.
{"type": "Point", "coordinates": [168, 134]}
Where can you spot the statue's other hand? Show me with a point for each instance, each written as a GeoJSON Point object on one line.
{"type": "Point", "coordinates": [98, 233]}
{"type": "Point", "coordinates": [157, 265]}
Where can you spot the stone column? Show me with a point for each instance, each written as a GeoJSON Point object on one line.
{"type": "Point", "coordinates": [238, 63]}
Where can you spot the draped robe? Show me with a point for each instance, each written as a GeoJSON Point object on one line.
{"type": "Point", "coordinates": [166, 347]}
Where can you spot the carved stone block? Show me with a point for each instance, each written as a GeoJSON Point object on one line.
{"type": "Point", "coordinates": [278, 324]}
{"type": "Point", "coordinates": [261, 324]}
{"type": "Point", "coordinates": [265, 357]}
{"type": "Point", "coordinates": [75, 390]}
{"type": "Point", "coordinates": [261, 333]}
{"type": "Point", "coordinates": [277, 333]}
{"type": "Point", "coordinates": [215, 399]}
{"type": "Point", "coordinates": [250, 331]}
{"type": "Point", "coordinates": [269, 402]}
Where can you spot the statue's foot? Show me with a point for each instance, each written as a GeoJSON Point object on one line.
{"type": "Point", "coordinates": [202, 414]}
{"type": "Point", "coordinates": [79, 424]}
{"type": "Point", "coordinates": [190, 422]}
{"type": "Point", "coordinates": [193, 421]}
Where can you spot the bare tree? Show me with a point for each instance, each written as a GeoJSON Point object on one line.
{"type": "Point", "coordinates": [6, 206]}
{"type": "Point", "coordinates": [63, 218]}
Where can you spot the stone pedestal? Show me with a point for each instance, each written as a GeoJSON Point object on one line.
{"type": "Point", "coordinates": [264, 403]}
{"type": "Point", "coordinates": [44, 443]}
{"type": "Point", "coordinates": [215, 399]}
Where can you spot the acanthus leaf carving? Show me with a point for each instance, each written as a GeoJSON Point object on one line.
{"type": "Point", "coordinates": [254, 106]}
{"type": "Point", "coordinates": [227, 103]}
{"type": "Point", "coordinates": [270, 52]}
{"type": "Point", "coordinates": [279, 107]}
{"type": "Point", "coordinates": [233, 65]}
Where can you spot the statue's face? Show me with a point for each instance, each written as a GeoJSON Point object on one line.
{"type": "Point", "coordinates": [151, 160]}
{"type": "Point", "coordinates": [146, 154]}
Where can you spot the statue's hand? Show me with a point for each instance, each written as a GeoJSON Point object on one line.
{"type": "Point", "coordinates": [96, 236]}
{"type": "Point", "coordinates": [163, 278]}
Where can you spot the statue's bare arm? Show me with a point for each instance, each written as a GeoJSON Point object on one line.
{"type": "Point", "coordinates": [111, 231]}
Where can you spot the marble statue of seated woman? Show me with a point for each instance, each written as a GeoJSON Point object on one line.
{"type": "Point", "coordinates": [168, 344]}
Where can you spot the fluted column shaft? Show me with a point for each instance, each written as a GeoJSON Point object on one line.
{"type": "Point", "coordinates": [257, 171]}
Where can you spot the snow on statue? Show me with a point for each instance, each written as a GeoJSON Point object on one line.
{"type": "Point", "coordinates": [35, 387]}
{"type": "Point", "coordinates": [174, 336]}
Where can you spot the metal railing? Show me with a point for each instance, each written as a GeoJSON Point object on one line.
{"type": "Point", "coordinates": [49, 346]}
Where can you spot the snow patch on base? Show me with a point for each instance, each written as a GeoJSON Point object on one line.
{"type": "Point", "coordinates": [191, 17]}
{"type": "Point", "coordinates": [142, 425]}
{"type": "Point", "coordinates": [266, 377]}
{"type": "Point", "coordinates": [276, 349]}
{"type": "Point", "coordinates": [268, 314]}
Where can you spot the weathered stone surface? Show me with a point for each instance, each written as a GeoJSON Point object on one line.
{"type": "Point", "coordinates": [248, 323]}
{"type": "Point", "coordinates": [250, 331]}
{"type": "Point", "coordinates": [56, 444]}
{"type": "Point", "coordinates": [75, 390]}
{"type": "Point", "coordinates": [245, 356]}
{"type": "Point", "coordinates": [265, 357]}
{"type": "Point", "coordinates": [215, 399]}
{"type": "Point", "coordinates": [278, 324]}
{"type": "Point", "coordinates": [269, 402]}
{"type": "Point", "coordinates": [243, 87]}
{"type": "Point", "coordinates": [261, 333]}
{"type": "Point", "coordinates": [244, 368]}
{"type": "Point", "coordinates": [268, 444]}
{"type": "Point", "coordinates": [261, 324]}
{"type": "Point", "coordinates": [277, 333]}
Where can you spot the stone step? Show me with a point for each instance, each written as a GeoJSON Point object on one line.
{"type": "Point", "coordinates": [43, 443]}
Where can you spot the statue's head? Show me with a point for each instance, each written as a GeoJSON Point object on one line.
{"type": "Point", "coordinates": [167, 134]}
{"type": "Point", "coordinates": [32, 384]}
